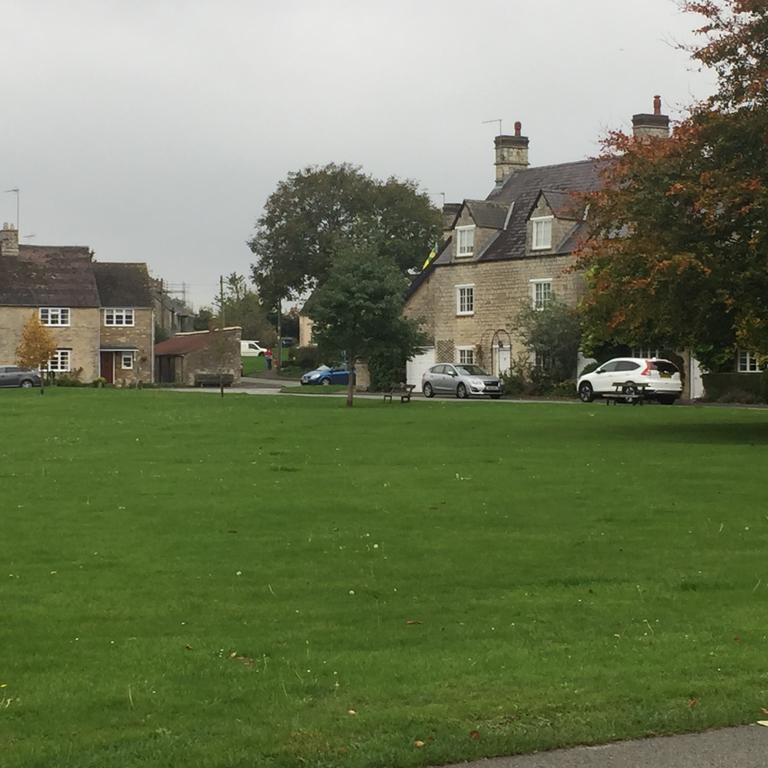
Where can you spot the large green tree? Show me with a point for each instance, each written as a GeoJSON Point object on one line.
{"type": "Point", "coordinates": [313, 210]}
{"type": "Point", "coordinates": [679, 248]}
{"type": "Point", "coordinates": [357, 310]}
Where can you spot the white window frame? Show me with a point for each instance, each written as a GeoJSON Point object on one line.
{"type": "Point", "coordinates": [467, 307]}
{"type": "Point", "coordinates": [55, 317]}
{"type": "Point", "coordinates": [61, 362]}
{"type": "Point", "coordinates": [461, 233]}
{"type": "Point", "coordinates": [468, 353]}
{"type": "Point", "coordinates": [649, 353]}
{"type": "Point", "coordinates": [537, 228]}
{"type": "Point", "coordinates": [537, 302]}
{"type": "Point", "coordinates": [119, 317]}
{"type": "Point", "coordinates": [746, 362]}
{"type": "Point", "coordinates": [126, 357]}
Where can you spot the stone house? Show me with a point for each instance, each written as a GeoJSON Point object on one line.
{"type": "Point", "coordinates": [99, 313]}
{"type": "Point", "coordinates": [511, 250]}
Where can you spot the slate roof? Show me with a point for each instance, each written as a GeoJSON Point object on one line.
{"type": "Point", "coordinates": [123, 284]}
{"type": "Point", "coordinates": [522, 189]}
{"type": "Point", "coordinates": [563, 204]}
{"type": "Point", "coordinates": [48, 276]}
{"type": "Point", "coordinates": [182, 343]}
{"type": "Point", "coordinates": [488, 214]}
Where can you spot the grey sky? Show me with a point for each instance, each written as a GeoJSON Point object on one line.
{"type": "Point", "coordinates": [154, 130]}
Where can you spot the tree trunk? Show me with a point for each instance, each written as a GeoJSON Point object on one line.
{"type": "Point", "coordinates": [350, 381]}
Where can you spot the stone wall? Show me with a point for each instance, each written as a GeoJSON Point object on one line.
{"type": "Point", "coordinates": [140, 335]}
{"type": "Point", "coordinates": [81, 336]}
{"type": "Point", "coordinates": [501, 290]}
{"type": "Point", "coordinates": [220, 355]}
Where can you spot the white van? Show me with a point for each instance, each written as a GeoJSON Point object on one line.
{"type": "Point", "coordinates": [251, 348]}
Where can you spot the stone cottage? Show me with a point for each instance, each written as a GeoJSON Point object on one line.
{"type": "Point", "coordinates": [99, 313]}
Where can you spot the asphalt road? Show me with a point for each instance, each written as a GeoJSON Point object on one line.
{"type": "Point", "coordinates": [742, 747]}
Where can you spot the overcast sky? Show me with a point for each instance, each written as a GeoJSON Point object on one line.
{"type": "Point", "coordinates": [154, 130]}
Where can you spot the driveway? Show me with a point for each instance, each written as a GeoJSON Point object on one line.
{"type": "Point", "coordinates": [742, 747]}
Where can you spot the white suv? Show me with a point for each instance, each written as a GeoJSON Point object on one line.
{"type": "Point", "coordinates": [661, 378]}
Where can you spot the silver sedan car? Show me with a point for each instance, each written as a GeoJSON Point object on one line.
{"type": "Point", "coordinates": [461, 381]}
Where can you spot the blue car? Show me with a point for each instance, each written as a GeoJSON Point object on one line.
{"type": "Point", "coordinates": [326, 375]}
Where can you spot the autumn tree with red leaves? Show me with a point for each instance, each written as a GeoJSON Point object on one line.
{"type": "Point", "coordinates": [678, 255]}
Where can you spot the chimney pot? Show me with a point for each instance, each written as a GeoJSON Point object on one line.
{"type": "Point", "coordinates": [518, 128]}
{"type": "Point", "coordinates": [657, 105]}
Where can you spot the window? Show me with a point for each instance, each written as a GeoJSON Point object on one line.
{"type": "Point", "coordinates": [54, 315]}
{"type": "Point", "coordinates": [747, 362]}
{"type": "Point", "coordinates": [465, 241]}
{"type": "Point", "coordinates": [59, 363]}
{"type": "Point", "coordinates": [541, 293]}
{"type": "Point", "coordinates": [626, 365]}
{"type": "Point", "coordinates": [465, 355]}
{"type": "Point", "coordinates": [126, 361]}
{"type": "Point", "coordinates": [542, 360]}
{"type": "Point", "coordinates": [116, 316]}
{"type": "Point", "coordinates": [541, 237]}
{"type": "Point", "coordinates": [465, 299]}
{"type": "Point", "coordinates": [647, 352]}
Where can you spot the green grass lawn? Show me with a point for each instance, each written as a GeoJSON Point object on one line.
{"type": "Point", "coordinates": [253, 365]}
{"type": "Point", "coordinates": [279, 581]}
{"type": "Point", "coordinates": [314, 389]}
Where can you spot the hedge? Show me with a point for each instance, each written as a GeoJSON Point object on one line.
{"type": "Point", "coordinates": [736, 387]}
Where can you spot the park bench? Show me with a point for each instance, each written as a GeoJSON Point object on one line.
{"type": "Point", "coordinates": [212, 379]}
{"type": "Point", "coordinates": [627, 392]}
{"type": "Point", "coordinates": [402, 389]}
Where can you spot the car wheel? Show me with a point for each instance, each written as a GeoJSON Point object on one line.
{"type": "Point", "coordinates": [461, 392]}
{"type": "Point", "coordinates": [631, 392]}
{"type": "Point", "coordinates": [325, 382]}
{"type": "Point", "coordinates": [26, 384]}
{"type": "Point", "coordinates": [586, 393]}
{"type": "Point", "coordinates": [427, 390]}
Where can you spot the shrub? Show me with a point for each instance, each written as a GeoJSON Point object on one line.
{"type": "Point", "coordinates": [71, 379]}
{"type": "Point", "coordinates": [736, 385]}
{"type": "Point", "coordinates": [564, 389]}
{"type": "Point", "coordinates": [307, 358]}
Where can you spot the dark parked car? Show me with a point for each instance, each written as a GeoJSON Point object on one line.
{"type": "Point", "coordinates": [13, 376]}
{"type": "Point", "coordinates": [326, 375]}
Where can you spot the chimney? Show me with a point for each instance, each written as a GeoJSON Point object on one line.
{"type": "Point", "coordinates": [511, 155]}
{"type": "Point", "coordinates": [9, 241]}
{"type": "Point", "coordinates": [655, 126]}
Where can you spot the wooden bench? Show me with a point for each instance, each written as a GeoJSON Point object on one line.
{"type": "Point", "coordinates": [402, 389]}
{"type": "Point", "coordinates": [213, 379]}
{"type": "Point", "coordinates": [627, 392]}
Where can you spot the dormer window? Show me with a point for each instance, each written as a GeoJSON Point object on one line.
{"type": "Point", "coordinates": [465, 242]}
{"type": "Point", "coordinates": [541, 235]}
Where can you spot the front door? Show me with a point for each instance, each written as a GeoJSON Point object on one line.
{"type": "Point", "coordinates": [502, 360]}
{"type": "Point", "coordinates": [108, 367]}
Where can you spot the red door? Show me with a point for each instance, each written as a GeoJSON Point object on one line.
{"type": "Point", "coordinates": [108, 367]}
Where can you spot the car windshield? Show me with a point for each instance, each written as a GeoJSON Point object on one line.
{"type": "Point", "coordinates": [321, 368]}
{"type": "Point", "coordinates": [470, 370]}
